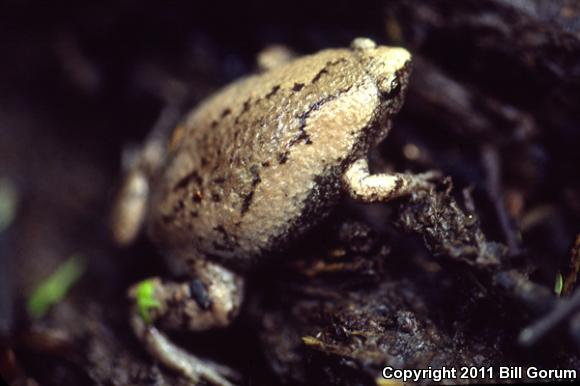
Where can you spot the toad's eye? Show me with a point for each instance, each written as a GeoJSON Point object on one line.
{"type": "Point", "coordinates": [393, 90]}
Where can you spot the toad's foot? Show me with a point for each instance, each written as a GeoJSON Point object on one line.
{"type": "Point", "coordinates": [209, 300]}
{"type": "Point", "coordinates": [174, 357]}
{"type": "Point", "coordinates": [366, 187]}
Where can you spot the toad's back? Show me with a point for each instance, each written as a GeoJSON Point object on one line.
{"type": "Point", "coordinates": [260, 161]}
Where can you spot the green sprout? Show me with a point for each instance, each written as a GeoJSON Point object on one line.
{"type": "Point", "coordinates": [53, 289]}
{"type": "Point", "coordinates": [146, 301]}
{"type": "Point", "coordinates": [559, 284]}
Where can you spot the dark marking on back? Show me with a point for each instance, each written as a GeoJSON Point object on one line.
{"type": "Point", "coordinates": [222, 230]}
{"type": "Point", "coordinates": [255, 170]}
{"type": "Point", "coordinates": [297, 87]}
{"type": "Point", "coordinates": [217, 155]}
{"type": "Point", "coordinates": [197, 196]}
{"type": "Point", "coordinates": [185, 181]}
{"type": "Point", "coordinates": [326, 67]}
{"type": "Point", "coordinates": [229, 241]}
{"type": "Point", "coordinates": [225, 113]}
{"type": "Point", "coordinates": [319, 75]}
{"type": "Point", "coordinates": [247, 202]}
{"type": "Point", "coordinates": [245, 108]}
{"type": "Point", "coordinates": [219, 180]}
{"type": "Point", "coordinates": [273, 91]}
{"type": "Point", "coordinates": [282, 158]}
{"type": "Point", "coordinates": [179, 205]}
{"type": "Point", "coordinates": [302, 136]}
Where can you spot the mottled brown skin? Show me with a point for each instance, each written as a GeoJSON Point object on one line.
{"type": "Point", "coordinates": [250, 170]}
{"type": "Point", "coordinates": [261, 161]}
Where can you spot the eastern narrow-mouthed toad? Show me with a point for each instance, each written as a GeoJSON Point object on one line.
{"type": "Point", "coordinates": [250, 170]}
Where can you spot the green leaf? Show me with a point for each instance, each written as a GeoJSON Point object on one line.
{"type": "Point", "coordinates": [53, 289]}
{"type": "Point", "coordinates": [559, 284]}
{"type": "Point", "coordinates": [146, 300]}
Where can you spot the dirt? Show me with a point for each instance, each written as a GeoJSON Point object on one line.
{"type": "Point", "coordinates": [462, 275]}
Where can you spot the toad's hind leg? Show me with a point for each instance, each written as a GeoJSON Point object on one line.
{"type": "Point", "coordinates": [366, 187]}
{"type": "Point", "coordinates": [140, 165]}
{"type": "Point", "coordinates": [210, 299]}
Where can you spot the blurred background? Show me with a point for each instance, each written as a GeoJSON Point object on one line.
{"type": "Point", "coordinates": [493, 103]}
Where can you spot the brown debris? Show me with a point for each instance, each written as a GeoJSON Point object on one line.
{"type": "Point", "coordinates": [447, 230]}
{"type": "Point", "coordinates": [467, 269]}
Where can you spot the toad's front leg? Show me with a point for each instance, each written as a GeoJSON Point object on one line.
{"type": "Point", "coordinates": [210, 299]}
{"type": "Point", "coordinates": [366, 187]}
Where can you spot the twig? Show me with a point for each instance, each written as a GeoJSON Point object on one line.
{"type": "Point", "coordinates": [491, 164]}
{"type": "Point", "coordinates": [563, 309]}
